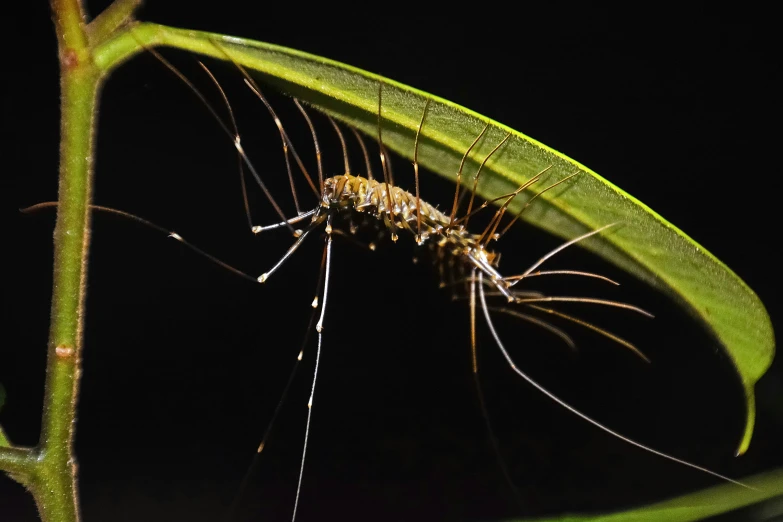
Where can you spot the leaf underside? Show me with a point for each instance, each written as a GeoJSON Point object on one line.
{"type": "Point", "coordinates": [645, 244]}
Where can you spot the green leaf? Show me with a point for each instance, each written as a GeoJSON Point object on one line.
{"type": "Point", "coordinates": [645, 244]}
{"type": "Point", "coordinates": [699, 505]}
{"type": "Point", "coordinates": [4, 442]}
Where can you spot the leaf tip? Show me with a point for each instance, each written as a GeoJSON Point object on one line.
{"type": "Point", "coordinates": [750, 421]}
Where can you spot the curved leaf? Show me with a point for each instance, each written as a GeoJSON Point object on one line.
{"type": "Point", "coordinates": [700, 505]}
{"type": "Point", "coordinates": [646, 244]}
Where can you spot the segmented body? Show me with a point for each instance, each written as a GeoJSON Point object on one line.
{"type": "Point", "coordinates": [369, 195]}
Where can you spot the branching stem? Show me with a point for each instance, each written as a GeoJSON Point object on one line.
{"type": "Point", "coordinates": [49, 470]}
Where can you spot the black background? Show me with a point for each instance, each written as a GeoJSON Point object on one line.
{"type": "Point", "coordinates": [184, 362]}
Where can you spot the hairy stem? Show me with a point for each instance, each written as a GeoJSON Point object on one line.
{"type": "Point", "coordinates": [106, 23]}
{"type": "Point", "coordinates": [54, 482]}
{"type": "Point", "coordinates": [49, 470]}
{"type": "Point", "coordinates": [18, 462]}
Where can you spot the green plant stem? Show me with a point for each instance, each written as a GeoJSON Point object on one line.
{"type": "Point", "coordinates": [113, 17]}
{"type": "Point", "coordinates": [53, 481]}
{"type": "Point", "coordinates": [19, 462]}
{"type": "Point", "coordinates": [49, 470]}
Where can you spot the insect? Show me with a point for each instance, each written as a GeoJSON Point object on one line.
{"type": "Point", "coordinates": [381, 311]}
{"type": "Point", "coordinates": [397, 210]}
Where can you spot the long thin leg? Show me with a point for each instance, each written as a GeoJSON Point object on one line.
{"type": "Point", "coordinates": [315, 143]}
{"type": "Point", "coordinates": [263, 277]}
{"type": "Point", "coordinates": [527, 204]}
{"type": "Point", "coordinates": [492, 293]}
{"type": "Point", "coordinates": [578, 413]}
{"type": "Point", "coordinates": [479, 392]}
{"type": "Point", "coordinates": [346, 163]}
{"type": "Point", "coordinates": [301, 217]}
{"type": "Point", "coordinates": [147, 223]}
{"type": "Point", "coordinates": [478, 174]}
{"type": "Point", "coordinates": [590, 326]}
{"type": "Point", "coordinates": [461, 221]}
{"type": "Point", "coordinates": [562, 272]}
{"type": "Point", "coordinates": [251, 83]}
{"type": "Point", "coordinates": [367, 164]}
{"type": "Point", "coordinates": [284, 139]}
{"type": "Point", "coordinates": [256, 457]}
{"type": "Point", "coordinates": [287, 144]}
{"type": "Point", "coordinates": [560, 248]}
{"type": "Point", "coordinates": [459, 175]}
{"type": "Point", "coordinates": [538, 322]}
{"type": "Point", "coordinates": [416, 172]}
{"type": "Point", "coordinates": [319, 328]}
{"type": "Point", "coordinates": [489, 231]}
{"type": "Point", "coordinates": [222, 124]}
{"type": "Point", "coordinates": [237, 138]}
{"type": "Point", "coordinates": [389, 168]}
{"type": "Point", "coordinates": [387, 176]}
{"type": "Point", "coordinates": [589, 300]}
